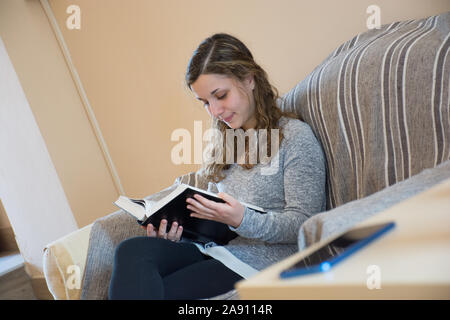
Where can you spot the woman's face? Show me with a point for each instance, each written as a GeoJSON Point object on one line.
{"type": "Point", "coordinates": [225, 101]}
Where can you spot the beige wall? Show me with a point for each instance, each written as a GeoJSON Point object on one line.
{"type": "Point", "coordinates": [56, 105]}
{"type": "Point", "coordinates": [131, 57]}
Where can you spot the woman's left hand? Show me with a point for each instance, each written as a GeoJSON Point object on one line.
{"type": "Point", "coordinates": [231, 212]}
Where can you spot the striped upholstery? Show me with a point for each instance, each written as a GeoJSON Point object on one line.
{"type": "Point", "coordinates": [379, 104]}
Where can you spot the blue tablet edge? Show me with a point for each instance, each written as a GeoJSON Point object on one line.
{"type": "Point", "coordinates": [327, 265]}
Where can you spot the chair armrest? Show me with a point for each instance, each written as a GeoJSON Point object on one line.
{"type": "Point", "coordinates": [64, 263]}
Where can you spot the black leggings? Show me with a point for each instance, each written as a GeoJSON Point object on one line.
{"type": "Point", "coordinates": [154, 268]}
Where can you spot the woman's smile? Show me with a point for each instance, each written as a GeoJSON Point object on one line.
{"type": "Point", "coordinates": [229, 118]}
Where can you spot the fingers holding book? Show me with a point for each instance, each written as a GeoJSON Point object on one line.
{"type": "Point", "coordinates": [231, 212]}
{"type": "Point", "coordinates": [174, 233]}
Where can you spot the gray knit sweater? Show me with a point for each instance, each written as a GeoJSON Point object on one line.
{"type": "Point", "coordinates": [290, 194]}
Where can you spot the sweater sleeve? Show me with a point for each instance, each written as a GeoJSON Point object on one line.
{"type": "Point", "coordinates": [304, 190]}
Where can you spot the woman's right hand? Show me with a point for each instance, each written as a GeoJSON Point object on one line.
{"type": "Point", "coordinates": [174, 233]}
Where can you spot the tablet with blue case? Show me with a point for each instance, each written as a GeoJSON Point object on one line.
{"type": "Point", "coordinates": [336, 250]}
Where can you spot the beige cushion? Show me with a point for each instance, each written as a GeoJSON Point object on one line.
{"type": "Point", "coordinates": [62, 260]}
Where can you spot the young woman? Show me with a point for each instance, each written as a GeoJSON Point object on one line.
{"type": "Point", "coordinates": [238, 96]}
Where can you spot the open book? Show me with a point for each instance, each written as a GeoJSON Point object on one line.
{"type": "Point", "coordinates": [173, 207]}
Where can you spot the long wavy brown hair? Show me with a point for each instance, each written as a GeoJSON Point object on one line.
{"type": "Point", "coordinates": [224, 54]}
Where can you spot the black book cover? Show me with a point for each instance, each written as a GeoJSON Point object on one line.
{"type": "Point", "coordinates": [199, 230]}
